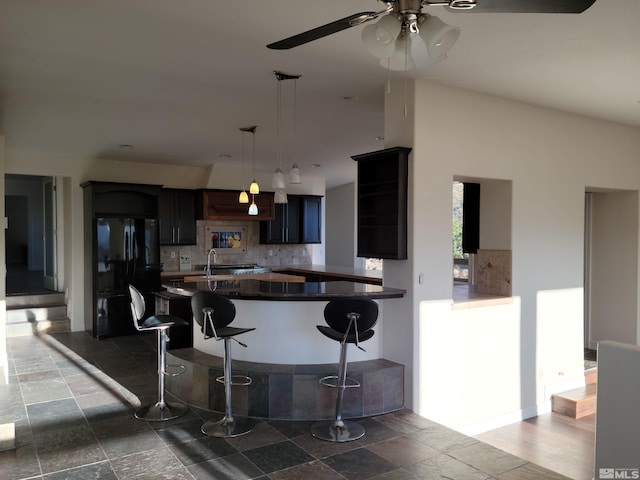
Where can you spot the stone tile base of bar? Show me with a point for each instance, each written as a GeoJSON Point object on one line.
{"type": "Point", "coordinates": [287, 392]}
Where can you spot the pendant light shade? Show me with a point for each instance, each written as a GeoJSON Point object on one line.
{"type": "Point", "coordinates": [438, 36]}
{"type": "Point", "coordinates": [254, 188]}
{"type": "Point", "coordinates": [278, 179]}
{"type": "Point", "coordinates": [243, 198]}
{"type": "Point", "coordinates": [294, 174]}
{"type": "Point", "coordinates": [280, 196]}
{"type": "Point", "coordinates": [253, 208]}
{"type": "Point", "coordinates": [380, 38]}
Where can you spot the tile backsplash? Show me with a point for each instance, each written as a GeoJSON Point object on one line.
{"type": "Point", "coordinates": [253, 251]}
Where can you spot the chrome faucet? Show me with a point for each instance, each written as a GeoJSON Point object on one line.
{"type": "Point", "coordinates": [215, 255]}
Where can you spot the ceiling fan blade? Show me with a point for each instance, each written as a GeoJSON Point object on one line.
{"type": "Point", "coordinates": [323, 31]}
{"type": "Point", "coordinates": [526, 6]}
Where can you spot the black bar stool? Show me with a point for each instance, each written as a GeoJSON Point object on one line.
{"type": "Point", "coordinates": [349, 321]}
{"type": "Point", "coordinates": [214, 313]}
{"type": "Point", "coordinates": [162, 410]}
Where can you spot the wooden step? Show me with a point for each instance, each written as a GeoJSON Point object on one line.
{"type": "Point", "coordinates": [591, 376]}
{"type": "Point", "coordinates": [576, 403]}
{"type": "Point", "coordinates": [49, 325]}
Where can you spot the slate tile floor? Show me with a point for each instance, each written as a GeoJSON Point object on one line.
{"type": "Point", "coordinates": [72, 398]}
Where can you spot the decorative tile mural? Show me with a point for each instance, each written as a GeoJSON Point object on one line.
{"type": "Point", "coordinates": [493, 272]}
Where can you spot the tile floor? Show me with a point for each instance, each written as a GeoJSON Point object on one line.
{"type": "Point", "coordinates": [72, 398]}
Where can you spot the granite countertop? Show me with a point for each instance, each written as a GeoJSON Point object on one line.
{"type": "Point", "coordinates": [250, 289]}
{"type": "Point", "coordinates": [340, 272]}
{"type": "Point", "coordinates": [354, 274]}
{"type": "Point", "coordinates": [265, 277]}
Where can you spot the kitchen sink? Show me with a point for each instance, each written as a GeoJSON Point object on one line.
{"type": "Point", "coordinates": [236, 269]}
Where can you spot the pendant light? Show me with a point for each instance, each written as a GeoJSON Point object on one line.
{"type": "Point", "coordinates": [278, 182]}
{"type": "Point", "coordinates": [254, 188]}
{"type": "Point", "coordinates": [243, 197]}
{"type": "Point", "coordinates": [294, 173]}
{"type": "Point", "coordinates": [253, 208]}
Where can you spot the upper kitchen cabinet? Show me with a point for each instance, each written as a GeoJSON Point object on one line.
{"type": "Point", "coordinates": [297, 221]}
{"type": "Point", "coordinates": [382, 203]}
{"type": "Point", "coordinates": [224, 205]}
{"type": "Point", "coordinates": [311, 223]}
{"type": "Point", "coordinates": [177, 214]}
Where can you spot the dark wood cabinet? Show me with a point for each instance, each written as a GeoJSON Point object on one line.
{"type": "Point", "coordinates": [311, 211]}
{"type": "Point", "coordinates": [224, 205]}
{"type": "Point", "coordinates": [382, 203]}
{"type": "Point", "coordinates": [177, 215]}
{"type": "Point", "coordinates": [297, 221]}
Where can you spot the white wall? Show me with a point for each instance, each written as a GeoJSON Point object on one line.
{"type": "Point", "coordinates": [614, 267]}
{"type": "Point", "coordinates": [341, 239]}
{"type": "Point", "coordinates": [549, 157]}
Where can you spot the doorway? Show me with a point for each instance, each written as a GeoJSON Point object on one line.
{"type": "Point", "coordinates": [611, 267]}
{"type": "Point", "coordinates": [30, 235]}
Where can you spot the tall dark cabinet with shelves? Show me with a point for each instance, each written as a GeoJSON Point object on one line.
{"type": "Point", "coordinates": [297, 221]}
{"type": "Point", "coordinates": [382, 203]}
{"type": "Point", "coordinates": [177, 216]}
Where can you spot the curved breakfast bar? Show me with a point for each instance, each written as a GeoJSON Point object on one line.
{"type": "Point", "coordinates": [286, 355]}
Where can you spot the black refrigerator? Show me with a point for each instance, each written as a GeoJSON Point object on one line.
{"type": "Point", "coordinates": [128, 253]}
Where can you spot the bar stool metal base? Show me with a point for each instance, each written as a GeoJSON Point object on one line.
{"type": "Point", "coordinates": [337, 431]}
{"type": "Point", "coordinates": [228, 427]}
{"type": "Point", "coordinates": [161, 411]}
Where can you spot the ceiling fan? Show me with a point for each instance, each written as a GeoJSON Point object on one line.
{"type": "Point", "coordinates": [401, 18]}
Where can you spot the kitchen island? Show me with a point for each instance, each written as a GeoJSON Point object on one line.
{"type": "Point", "coordinates": [285, 315]}
{"type": "Point", "coordinates": [286, 355]}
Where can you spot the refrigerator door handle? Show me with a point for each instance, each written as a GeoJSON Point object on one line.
{"type": "Point", "coordinates": [126, 255]}
{"type": "Point", "coordinates": [134, 248]}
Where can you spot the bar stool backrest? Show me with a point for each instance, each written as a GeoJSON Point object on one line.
{"type": "Point", "coordinates": [224, 311]}
{"type": "Point", "coordinates": [352, 317]}
{"type": "Point", "coordinates": [138, 306]}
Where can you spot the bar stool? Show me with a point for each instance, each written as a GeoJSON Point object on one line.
{"type": "Point", "coordinates": [349, 321]}
{"type": "Point", "coordinates": [162, 410]}
{"type": "Point", "coordinates": [214, 313]}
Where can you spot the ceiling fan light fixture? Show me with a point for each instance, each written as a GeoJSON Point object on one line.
{"type": "Point", "coordinates": [438, 36]}
{"type": "Point", "coordinates": [401, 59]}
{"type": "Point", "coordinates": [379, 39]}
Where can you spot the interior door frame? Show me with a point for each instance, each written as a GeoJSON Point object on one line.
{"type": "Point", "coordinates": [49, 235]}
{"type": "Point", "coordinates": [588, 232]}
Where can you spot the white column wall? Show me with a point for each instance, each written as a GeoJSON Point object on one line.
{"type": "Point", "coordinates": [340, 231]}
{"type": "Point", "coordinates": [550, 157]}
